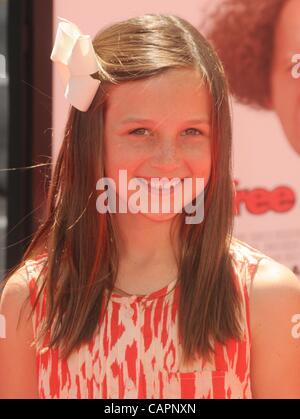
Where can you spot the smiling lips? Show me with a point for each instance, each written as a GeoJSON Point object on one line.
{"type": "Point", "coordinates": [156, 184]}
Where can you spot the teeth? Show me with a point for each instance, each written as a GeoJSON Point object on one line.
{"type": "Point", "coordinates": [161, 184]}
{"type": "Point", "coordinates": [164, 185]}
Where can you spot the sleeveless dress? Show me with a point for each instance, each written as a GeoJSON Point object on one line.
{"type": "Point", "coordinates": [136, 351]}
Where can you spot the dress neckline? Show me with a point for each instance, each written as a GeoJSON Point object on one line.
{"type": "Point", "coordinates": [118, 297]}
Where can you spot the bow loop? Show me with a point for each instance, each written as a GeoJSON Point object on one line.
{"type": "Point", "coordinates": [77, 60]}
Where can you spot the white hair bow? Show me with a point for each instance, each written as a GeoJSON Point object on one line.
{"type": "Point", "coordinates": [76, 57]}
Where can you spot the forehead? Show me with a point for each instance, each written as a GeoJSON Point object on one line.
{"type": "Point", "coordinates": [174, 92]}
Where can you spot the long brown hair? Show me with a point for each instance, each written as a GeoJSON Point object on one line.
{"type": "Point", "coordinates": [81, 244]}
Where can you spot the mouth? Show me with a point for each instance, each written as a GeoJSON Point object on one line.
{"type": "Point", "coordinates": [160, 184]}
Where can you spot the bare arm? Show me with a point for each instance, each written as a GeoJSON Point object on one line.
{"type": "Point", "coordinates": [18, 376]}
{"type": "Point", "coordinates": [275, 353]}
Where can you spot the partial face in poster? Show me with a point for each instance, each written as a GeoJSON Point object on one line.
{"type": "Point", "coordinates": [285, 75]}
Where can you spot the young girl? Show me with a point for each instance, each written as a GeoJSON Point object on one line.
{"type": "Point", "coordinates": [143, 304]}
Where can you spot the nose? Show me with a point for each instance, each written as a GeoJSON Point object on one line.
{"type": "Point", "coordinates": [166, 157]}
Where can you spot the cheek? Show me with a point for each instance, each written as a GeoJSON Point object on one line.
{"type": "Point", "coordinates": [284, 91]}
{"type": "Point", "coordinates": [286, 102]}
{"type": "Point", "coordinates": [122, 156]}
{"type": "Point", "coordinates": [113, 158]}
{"type": "Point", "coordinates": [200, 162]}
{"type": "Point", "coordinates": [203, 171]}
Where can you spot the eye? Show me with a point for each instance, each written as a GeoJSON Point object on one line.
{"type": "Point", "coordinates": [189, 131]}
{"type": "Point", "coordinates": [192, 130]}
{"type": "Point", "coordinates": [138, 131]}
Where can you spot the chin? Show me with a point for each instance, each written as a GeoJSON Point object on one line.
{"type": "Point", "coordinates": [159, 217]}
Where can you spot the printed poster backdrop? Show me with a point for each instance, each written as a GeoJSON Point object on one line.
{"type": "Point", "coordinates": [266, 142]}
{"type": "Point", "coordinates": [259, 44]}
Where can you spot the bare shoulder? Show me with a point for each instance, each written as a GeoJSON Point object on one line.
{"type": "Point", "coordinates": [274, 283]}
{"type": "Point", "coordinates": [17, 355]}
{"type": "Point", "coordinates": [16, 287]}
{"type": "Point", "coordinates": [15, 302]}
{"type": "Point", "coordinates": [15, 291]}
{"type": "Point", "coordinates": [275, 290]}
{"type": "Point", "coordinates": [275, 350]}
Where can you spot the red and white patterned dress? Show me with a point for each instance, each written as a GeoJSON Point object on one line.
{"type": "Point", "coordinates": [136, 352]}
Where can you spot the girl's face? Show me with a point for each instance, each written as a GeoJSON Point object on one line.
{"type": "Point", "coordinates": [159, 127]}
{"type": "Point", "coordinates": [286, 88]}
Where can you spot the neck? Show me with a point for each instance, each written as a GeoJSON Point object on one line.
{"type": "Point", "coordinates": [147, 254]}
{"type": "Point", "coordinates": [143, 240]}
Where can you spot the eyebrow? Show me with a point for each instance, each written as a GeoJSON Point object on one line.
{"type": "Point", "coordinates": [144, 121]}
